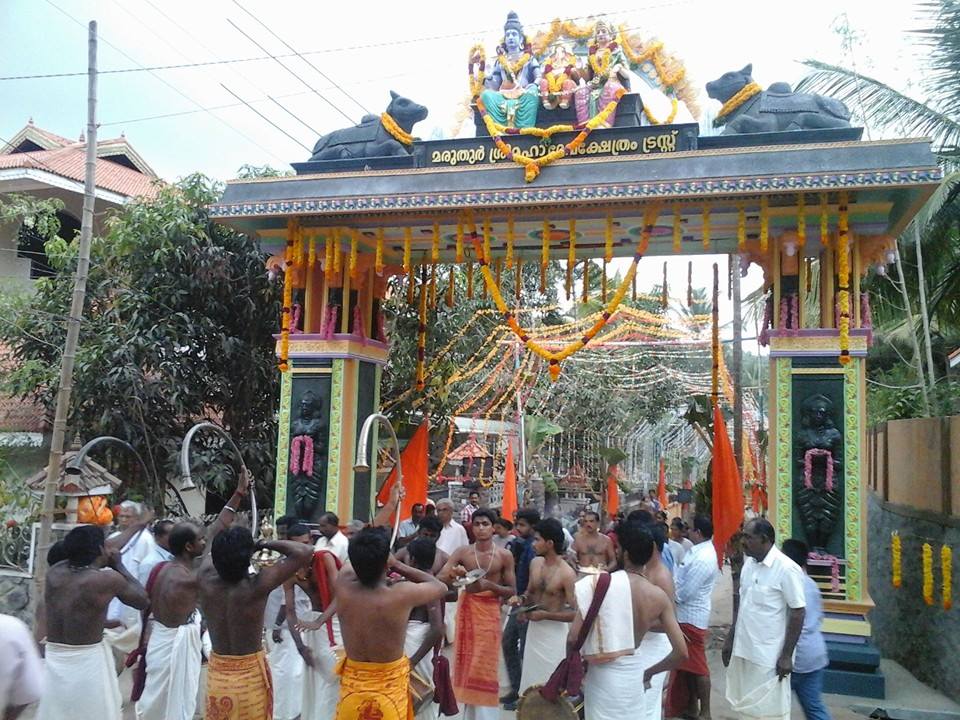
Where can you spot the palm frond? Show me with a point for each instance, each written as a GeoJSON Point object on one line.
{"type": "Point", "coordinates": [882, 106]}
{"type": "Point", "coordinates": [945, 194]}
{"type": "Point", "coordinates": [943, 57]}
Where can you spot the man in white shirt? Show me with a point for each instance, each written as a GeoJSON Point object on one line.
{"type": "Point", "coordinates": [758, 652]}
{"type": "Point", "coordinates": [330, 536]}
{"type": "Point", "coordinates": [689, 693]}
{"type": "Point", "coordinates": [453, 536]}
{"type": "Point", "coordinates": [123, 622]}
{"type": "Point", "coordinates": [160, 552]}
{"type": "Point", "coordinates": [21, 672]}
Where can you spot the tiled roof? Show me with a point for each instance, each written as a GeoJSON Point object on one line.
{"type": "Point", "coordinates": [470, 449]}
{"type": "Point", "coordinates": [18, 415]}
{"type": "Point", "coordinates": [69, 162]}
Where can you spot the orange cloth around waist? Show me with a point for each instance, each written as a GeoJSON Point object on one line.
{"type": "Point", "coordinates": [477, 649]}
{"type": "Point", "coordinates": [374, 691]}
{"type": "Point", "coordinates": [239, 687]}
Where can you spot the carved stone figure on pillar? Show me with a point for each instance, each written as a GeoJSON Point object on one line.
{"type": "Point", "coordinates": [560, 78]}
{"type": "Point", "coordinates": [512, 94]}
{"type": "Point", "coordinates": [607, 71]}
{"type": "Point", "coordinates": [308, 454]}
{"type": "Point", "coordinates": [819, 454]}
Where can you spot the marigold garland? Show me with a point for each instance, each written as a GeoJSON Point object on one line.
{"type": "Point", "coordinates": [927, 574]}
{"type": "Point", "coordinates": [287, 309]}
{"type": "Point", "coordinates": [585, 293]}
{"type": "Point", "coordinates": [328, 257]}
{"type": "Point", "coordinates": [544, 253]}
{"type": "Point", "coordinates": [435, 243]}
{"type": "Point", "coordinates": [764, 223]}
{"type": "Point", "coordinates": [677, 229]}
{"type": "Point", "coordinates": [946, 571]}
{"type": "Point", "coordinates": [664, 299]}
{"type": "Point", "coordinates": [743, 95]}
{"type": "Point", "coordinates": [411, 286]}
{"type": "Point", "coordinates": [518, 280]}
{"type": "Point", "coordinates": [705, 213]}
{"type": "Point", "coordinates": [896, 559]}
{"type": "Point", "coordinates": [608, 239]}
{"type": "Point", "coordinates": [354, 250]}
{"type": "Point", "coordinates": [337, 252]}
{"type": "Point", "coordinates": [459, 241]}
{"type": "Point", "coordinates": [511, 238]}
{"type": "Point", "coordinates": [397, 132]}
{"type": "Point", "coordinates": [433, 287]}
{"type": "Point", "coordinates": [498, 266]}
{"type": "Point", "coordinates": [555, 358]}
{"type": "Point", "coordinates": [801, 220]}
{"type": "Point", "coordinates": [843, 273]}
{"type": "Point", "coordinates": [670, 118]}
{"type": "Point", "coordinates": [407, 239]}
{"type": "Point", "coordinates": [422, 332]}
{"type": "Point", "coordinates": [741, 227]}
{"type": "Point", "coordinates": [378, 257]}
{"type": "Point", "coordinates": [476, 78]}
{"type": "Point", "coordinates": [312, 256]}
{"type": "Point", "coordinates": [824, 221]}
{"type": "Point", "coordinates": [653, 53]}
{"type": "Point", "coordinates": [513, 68]}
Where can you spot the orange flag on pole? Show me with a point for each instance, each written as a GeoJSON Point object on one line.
{"type": "Point", "coordinates": [662, 485]}
{"type": "Point", "coordinates": [416, 467]}
{"type": "Point", "coordinates": [613, 492]}
{"type": "Point", "coordinates": [508, 507]}
{"type": "Point", "coordinates": [727, 491]}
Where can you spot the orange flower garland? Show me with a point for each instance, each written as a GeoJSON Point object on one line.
{"type": "Point", "coordinates": [705, 214]}
{"type": "Point", "coordinates": [422, 333]}
{"type": "Point", "coordinates": [407, 239]}
{"type": "Point", "coordinates": [608, 239]}
{"type": "Point", "coordinates": [378, 258]}
{"type": "Point", "coordinates": [435, 243]}
{"type": "Point", "coordinates": [741, 227]}
{"type": "Point", "coordinates": [843, 276]}
{"type": "Point", "coordinates": [946, 571]}
{"type": "Point", "coordinates": [896, 562]}
{"type": "Point", "coordinates": [555, 358]}
{"type": "Point", "coordinates": [459, 246]}
{"type": "Point", "coordinates": [764, 223]}
{"type": "Point", "coordinates": [927, 555]}
{"type": "Point", "coordinates": [328, 257]}
{"type": "Point", "coordinates": [511, 237]}
{"type": "Point", "coordinates": [677, 229]}
{"type": "Point", "coordinates": [286, 311]}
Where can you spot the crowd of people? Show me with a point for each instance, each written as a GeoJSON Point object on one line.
{"type": "Point", "coordinates": [336, 622]}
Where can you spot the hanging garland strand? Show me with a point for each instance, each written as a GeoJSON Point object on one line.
{"type": "Point", "coordinates": [422, 330]}
{"type": "Point", "coordinates": [293, 227]}
{"type": "Point", "coordinates": [843, 262]}
{"type": "Point", "coordinates": [608, 239]}
{"type": "Point", "coordinates": [946, 571]}
{"type": "Point", "coordinates": [706, 227]}
{"type": "Point", "coordinates": [378, 258]}
{"type": "Point", "coordinates": [927, 556]}
{"type": "Point", "coordinates": [328, 257]}
{"type": "Point", "coordinates": [459, 247]}
{"type": "Point", "coordinates": [511, 238]}
{"type": "Point", "coordinates": [824, 221]}
{"type": "Point", "coordinates": [741, 227]}
{"type": "Point", "coordinates": [801, 221]}
{"type": "Point", "coordinates": [764, 223]}
{"type": "Point", "coordinates": [677, 229]}
{"type": "Point", "coordinates": [555, 358]}
{"type": "Point", "coordinates": [715, 339]}
{"type": "Point", "coordinates": [544, 253]}
{"type": "Point", "coordinates": [896, 559]}
{"type": "Point", "coordinates": [407, 238]}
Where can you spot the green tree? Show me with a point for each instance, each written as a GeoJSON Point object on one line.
{"type": "Point", "coordinates": [176, 329]}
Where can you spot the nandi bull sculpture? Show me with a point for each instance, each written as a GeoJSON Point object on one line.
{"type": "Point", "coordinates": [384, 135]}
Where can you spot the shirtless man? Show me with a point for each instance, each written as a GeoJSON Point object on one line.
{"type": "Point", "coordinates": [425, 626]}
{"type": "Point", "coordinates": [593, 549]}
{"type": "Point", "coordinates": [550, 593]}
{"type": "Point", "coordinates": [81, 680]}
{"type": "Point", "coordinates": [375, 675]}
{"type": "Point", "coordinates": [317, 641]}
{"type": "Point", "coordinates": [233, 602]}
{"type": "Point", "coordinates": [430, 528]}
{"type": "Point", "coordinates": [475, 680]}
{"type": "Point", "coordinates": [173, 647]}
{"type": "Point", "coordinates": [611, 688]}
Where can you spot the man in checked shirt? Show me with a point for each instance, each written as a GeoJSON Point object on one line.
{"type": "Point", "coordinates": [689, 693]}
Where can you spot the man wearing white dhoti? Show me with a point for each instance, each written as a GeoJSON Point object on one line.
{"type": "Point", "coordinates": [286, 664]}
{"type": "Point", "coordinates": [551, 602]}
{"type": "Point", "coordinates": [79, 672]}
{"type": "Point", "coordinates": [758, 652]}
{"type": "Point", "coordinates": [618, 676]}
{"type": "Point", "coordinates": [123, 621]}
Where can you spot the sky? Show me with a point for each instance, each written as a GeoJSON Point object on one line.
{"type": "Point", "coordinates": [190, 119]}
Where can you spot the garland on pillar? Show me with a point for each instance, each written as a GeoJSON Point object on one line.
{"type": "Point", "coordinates": [435, 244]}
{"type": "Point", "coordinates": [407, 239]}
{"type": "Point", "coordinates": [328, 257]}
{"type": "Point", "coordinates": [337, 252]}
{"type": "Point", "coordinates": [843, 272]}
{"type": "Point", "coordinates": [764, 223]}
{"type": "Point", "coordinates": [677, 229]}
{"type": "Point", "coordinates": [706, 227]}
{"type": "Point", "coordinates": [927, 555]}
{"type": "Point", "coordinates": [511, 238]}
{"type": "Point", "coordinates": [378, 259]}
{"type": "Point", "coordinates": [608, 238]}
{"type": "Point", "coordinates": [824, 221]}
{"type": "Point", "coordinates": [312, 256]}
{"type": "Point", "coordinates": [293, 227]}
{"type": "Point", "coordinates": [801, 221]}
{"type": "Point", "coordinates": [741, 227]}
{"type": "Point", "coordinates": [946, 571]}
{"type": "Point", "coordinates": [896, 559]}
{"type": "Point", "coordinates": [459, 247]}
{"type": "Point", "coordinates": [487, 231]}
{"type": "Point", "coordinates": [354, 250]}
{"type": "Point", "coordinates": [422, 331]}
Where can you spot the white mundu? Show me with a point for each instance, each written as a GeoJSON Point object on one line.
{"type": "Point", "coordinates": [173, 672]}
{"type": "Point", "coordinates": [545, 647]}
{"type": "Point", "coordinates": [416, 632]}
{"type": "Point", "coordinates": [81, 682]}
{"type": "Point", "coordinates": [321, 685]}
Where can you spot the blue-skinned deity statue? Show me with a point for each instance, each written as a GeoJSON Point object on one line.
{"type": "Point", "coordinates": [512, 93]}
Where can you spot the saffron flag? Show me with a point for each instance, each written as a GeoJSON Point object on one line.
{"type": "Point", "coordinates": [662, 485]}
{"type": "Point", "coordinates": [613, 492]}
{"type": "Point", "coordinates": [727, 491]}
{"type": "Point", "coordinates": [508, 507]}
{"type": "Point", "coordinates": [416, 466]}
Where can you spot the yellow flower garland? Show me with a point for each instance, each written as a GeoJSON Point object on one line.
{"type": "Point", "coordinates": [677, 229]}
{"type": "Point", "coordinates": [946, 571]}
{"type": "Point", "coordinates": [397, 132]}
{"type": "Point", "coordinates": [378, 257]}
{"type": "Point", "coordinates": [286, 311]}
{"type": "Point", "coordinates": [670, 118]}
{"type": "Point", "coordinates": [555, 358]}
{"type": "Point", "coordinates": [312, 257]}
{"type": "Point", "coordinates": [511, 237]}
{"type": "Point", "coordinates": [706, 227]}
{"type": "Point", "coordinates": [513, 68]}
{"type": "Point", "coordinates": [927, 574]}
{"type": "Point", "coordinates": [433, 287]}
{"type": "Point", "coordinates": [600, 61]}
{"type": "Point", "coordinates": [843, 276]}
{"type": "Point", "coordinates": [486, 237]}
{"type": "Point", "coordinates": [407, 239]}
{"type": "Point", "coordinates": [476, 81]}
{"type": "Point", "coordinates": [608, 239]}
{"type": "Point", "coordinates": [328, 257]}
{"type": "Point", "coordinates": [435, 243]}
{"type": "Point", "coordinates": [741, 227]}
{"type": "Point", "coordinates": [337, 252]}
{"type": "Point", "coordinates": [764, 223]}
{"type": "Point", "coordinates": [824, 221]}
{"type": "Point", "coordinates": [421, 335]}
{"type": "Point", "coordinates": [354, 249]}
{"type": "Point", "coordinates": [745, 93]}
{"type": "Point", "coordinates": [459, 250]}
{"type": "Point", "coordinates": [896, 559]}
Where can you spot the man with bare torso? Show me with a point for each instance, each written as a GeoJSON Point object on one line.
{"type": "Point", "coordinates": [631, 608]}
{"type": "Point", "coordinates": [475, 679]}
{"type": "Point", "coordinates": [233, 601]}
{"type": "Point", "coordinates": [80, 677]}
{"type": "Point", "coordinates": [591, 548]}
{"type": "Point", "coordinates": [173, 651]}
{"type": "Point", "coordinates": [425, 626]}
{"type": "Point", "coordinates": [551, 604]}
{"type": "Point", "coordinates": [374, 676]}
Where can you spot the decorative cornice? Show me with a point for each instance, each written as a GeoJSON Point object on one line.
{"type": "Point", "coordinates": [629, 191]}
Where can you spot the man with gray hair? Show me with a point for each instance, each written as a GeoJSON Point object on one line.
{"type": "Point", "coordinates": [122, 630]}
{"type": "Point", "coordinates": [453, 536]}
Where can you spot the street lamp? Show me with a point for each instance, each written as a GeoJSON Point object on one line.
{"type": "Point", "coordinates": [74, 466]}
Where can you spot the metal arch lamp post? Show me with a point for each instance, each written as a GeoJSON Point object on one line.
{"type": "Point", "coordinates": [363, 465]}
{"type": "Point", "coordinates": [75, 465]}
{"type": "Point", "coordinates": [185, 465]}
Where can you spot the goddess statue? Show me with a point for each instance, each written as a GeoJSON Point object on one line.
{"type": "Point", "coordinates": [511, 95]}
{"type": "Point", "coordinates": [606, 72]}
{"type": "Point", "coordinates": [819, 455]}
{"type": "Point", "coordinates": [560, 78]}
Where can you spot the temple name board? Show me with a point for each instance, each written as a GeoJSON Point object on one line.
{"type": "Point", "coordinates": [612, 142]}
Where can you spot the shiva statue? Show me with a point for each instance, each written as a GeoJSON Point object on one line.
{"type": "Point", "coordinates": [606, 72]}
{"type": "Point", "coordinates": [560, 77]}
{"type": "Point", "coordinates": [512, 90]}
{"type": "Point", "coordinates": [819, 455]}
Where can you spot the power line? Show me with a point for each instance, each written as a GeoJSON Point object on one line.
{"type": "Point", "coordinates": [171, 86]}
{"type": "Point", "coordinates": [344, 48]}
{"type": "Point", "coordinates": [293, 50]}
{"type": "Point", "coordinates": [264, 117]}
{"type": "Point", "coordinates": [289, 70]}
